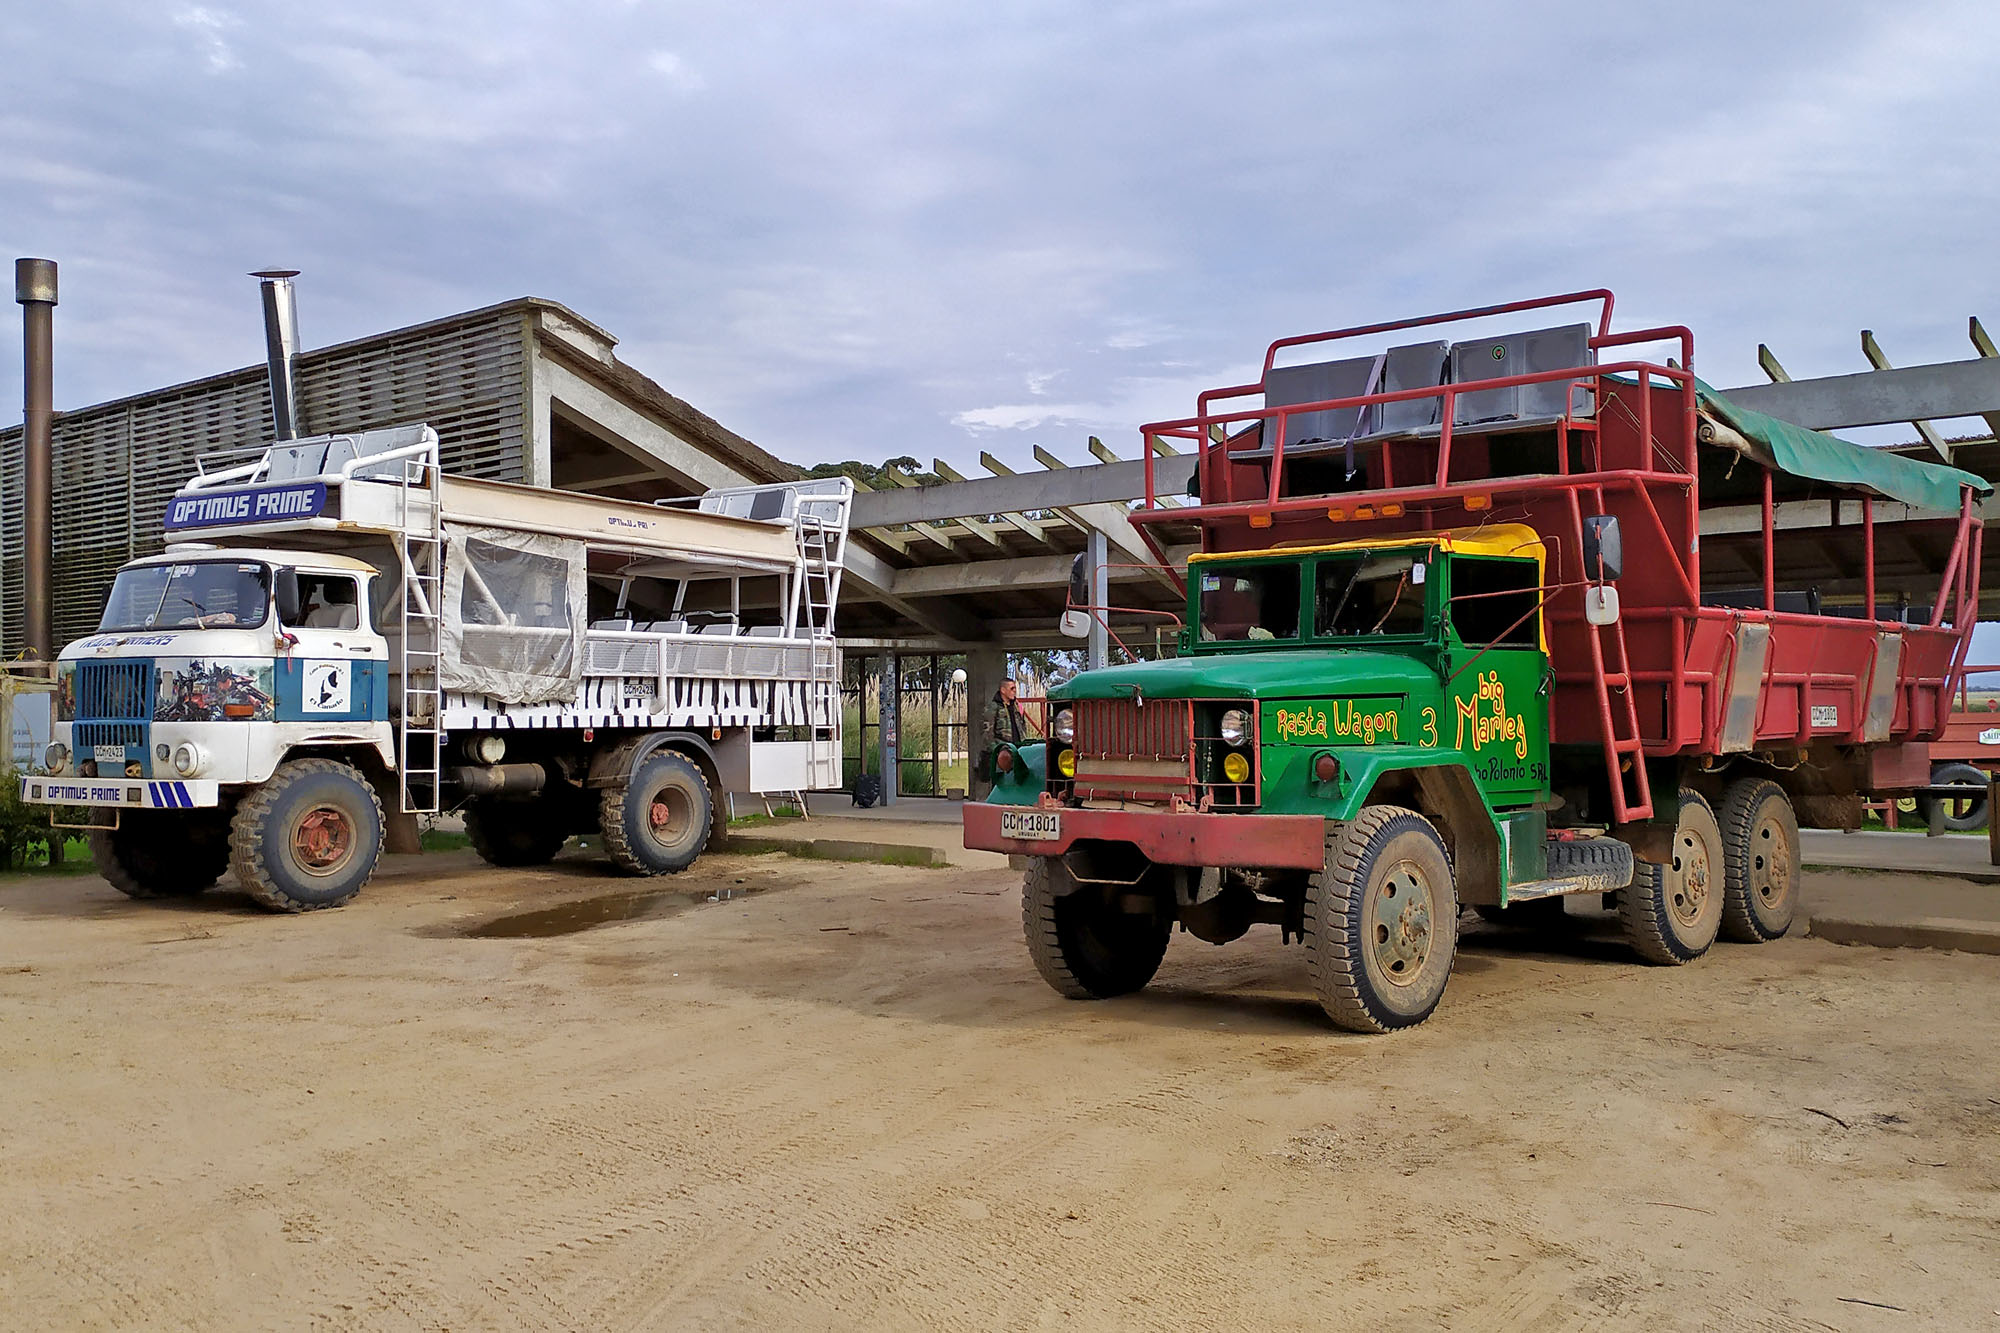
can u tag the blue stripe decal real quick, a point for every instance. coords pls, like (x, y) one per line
(187, 801)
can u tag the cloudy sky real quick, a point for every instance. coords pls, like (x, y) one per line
(867, 229)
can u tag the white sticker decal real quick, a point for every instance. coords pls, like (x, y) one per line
(326, 688)
(1826, 715)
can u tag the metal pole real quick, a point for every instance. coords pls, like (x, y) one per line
(281, 347)
(890, 688)
(35, 289)
(1096, 559)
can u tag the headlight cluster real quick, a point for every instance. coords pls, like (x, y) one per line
(1235, 726)
(56, 758)
(189, 759)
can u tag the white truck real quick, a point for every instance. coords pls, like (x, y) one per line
(340, 630)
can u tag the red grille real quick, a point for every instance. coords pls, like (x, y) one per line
(1122, 729)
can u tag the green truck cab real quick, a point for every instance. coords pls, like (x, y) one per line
(1353, 742)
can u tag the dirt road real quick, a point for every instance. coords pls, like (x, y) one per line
(844, 1100)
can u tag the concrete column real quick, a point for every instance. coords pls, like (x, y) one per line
(1096, 554)
(985, 668)
(890, 685)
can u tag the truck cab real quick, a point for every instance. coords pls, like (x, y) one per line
(1314, 683)
(208, 665)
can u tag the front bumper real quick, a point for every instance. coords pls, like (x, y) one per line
(122, 793)
(1294, 842)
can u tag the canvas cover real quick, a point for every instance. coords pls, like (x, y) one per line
(513, 617)
(1822, 457)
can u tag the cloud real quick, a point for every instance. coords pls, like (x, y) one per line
(674, 71)
(899, 229)
(207, 26)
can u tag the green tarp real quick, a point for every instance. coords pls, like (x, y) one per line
(1822, 457)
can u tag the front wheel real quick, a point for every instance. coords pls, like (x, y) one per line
(309, 838)
(1381, 922)
(1083, 944)
(155, 854)
(657, 821)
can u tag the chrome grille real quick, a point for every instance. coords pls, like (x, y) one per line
(114, 692)
(1124, 729)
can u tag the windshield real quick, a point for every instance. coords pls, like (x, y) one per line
(198, 595)
(1369, 593)
(1261, 602)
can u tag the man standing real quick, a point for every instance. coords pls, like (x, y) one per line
(1005, 722)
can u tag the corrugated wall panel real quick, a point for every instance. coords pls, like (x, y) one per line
(116, 465)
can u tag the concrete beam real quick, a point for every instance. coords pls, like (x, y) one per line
(1013, 574)
(1024, 491)
(1880, 397)
(593, 410)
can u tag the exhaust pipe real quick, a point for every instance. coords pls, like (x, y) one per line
(35, 289)
(281, 347)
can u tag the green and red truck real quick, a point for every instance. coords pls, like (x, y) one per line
(1492, 623)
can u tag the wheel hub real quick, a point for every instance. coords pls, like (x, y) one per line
(1402, 932)
(1691, 874)
(1772, 867)
(323, 839)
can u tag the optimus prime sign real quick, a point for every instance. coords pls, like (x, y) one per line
(264, 504)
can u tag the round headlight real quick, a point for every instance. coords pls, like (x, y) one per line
(1235, 767)
(1066, 763)
(1003, 761)
(188, 759)
(163, 752)
(489, 749)
(1235, 726)
(1064, 728)
(56, 758)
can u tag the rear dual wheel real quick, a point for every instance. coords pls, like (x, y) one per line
(1760, 852)
(1672, 909)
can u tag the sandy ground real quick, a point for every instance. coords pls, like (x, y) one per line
(845, 1100)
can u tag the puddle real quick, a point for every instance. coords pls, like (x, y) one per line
(586, 913)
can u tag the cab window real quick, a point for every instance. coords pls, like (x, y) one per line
(1495, 602)
(1369, 593)
(329, 601)
(1258, 602)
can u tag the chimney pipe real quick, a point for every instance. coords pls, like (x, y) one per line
(281, 347)
(35, 289)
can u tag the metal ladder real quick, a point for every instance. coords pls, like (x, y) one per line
(822, 541)
(420, 730)
(1635, 802)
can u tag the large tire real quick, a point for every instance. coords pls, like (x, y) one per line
(657, 821)
(1961, 814)
(157, 854)
(1381, 921)
(1672, 912)
(309, 838)
(1760, 858)
(1083, 946)
(516, 833)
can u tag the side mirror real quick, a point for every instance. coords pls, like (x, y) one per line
(1074, 624)
(1079, 582)
(286, 588)
(1603, 552)
(1600, 605)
